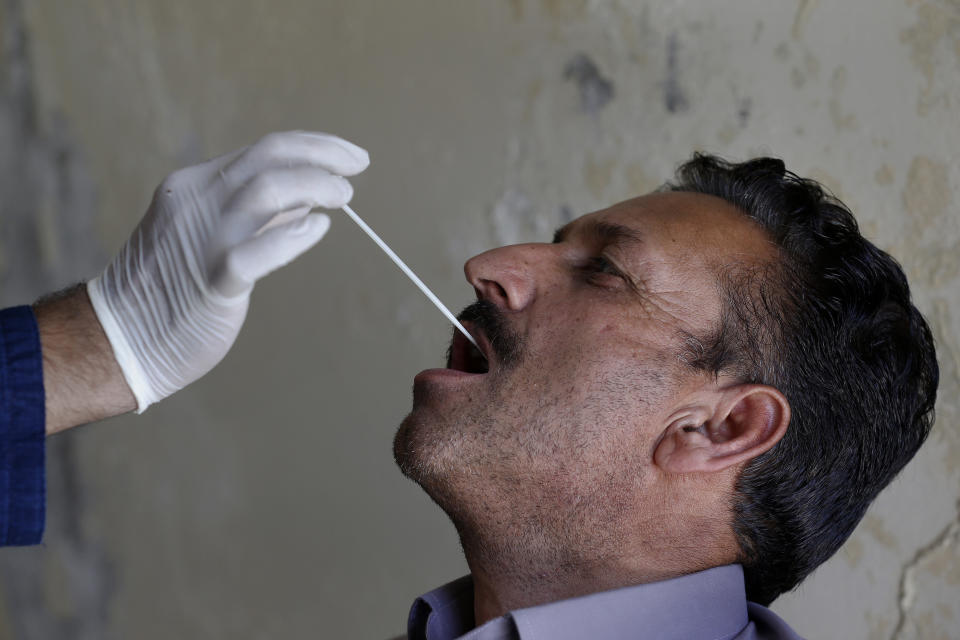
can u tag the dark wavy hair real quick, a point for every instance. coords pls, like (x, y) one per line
(830, 324)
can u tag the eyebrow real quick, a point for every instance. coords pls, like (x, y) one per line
(607, 233)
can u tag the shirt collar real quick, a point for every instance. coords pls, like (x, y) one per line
(444, 613)
(710, 603)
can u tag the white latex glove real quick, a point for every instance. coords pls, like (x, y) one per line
(173, 300)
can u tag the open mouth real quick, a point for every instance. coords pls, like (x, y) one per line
(463, 356)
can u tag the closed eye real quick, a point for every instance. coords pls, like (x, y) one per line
(603, 272)
(599, 264)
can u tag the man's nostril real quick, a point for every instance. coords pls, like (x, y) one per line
(491, 290)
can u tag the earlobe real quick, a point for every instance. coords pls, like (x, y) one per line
(746, 421)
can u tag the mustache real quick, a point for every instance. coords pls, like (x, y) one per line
(486, 317)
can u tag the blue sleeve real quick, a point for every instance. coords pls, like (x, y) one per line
(22, 429)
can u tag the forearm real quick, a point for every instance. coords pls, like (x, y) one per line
(82, 380)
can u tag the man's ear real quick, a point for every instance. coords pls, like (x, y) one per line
(744, 421)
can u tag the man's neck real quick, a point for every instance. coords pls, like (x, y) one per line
(511, 577)
(502, 585)
(524, 551)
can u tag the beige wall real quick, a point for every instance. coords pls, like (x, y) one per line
(263, 501)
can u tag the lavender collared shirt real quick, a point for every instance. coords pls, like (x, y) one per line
(709, 605)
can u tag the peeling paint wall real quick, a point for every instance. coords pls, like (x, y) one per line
(263, 501)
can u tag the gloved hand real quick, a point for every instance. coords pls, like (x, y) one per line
(173, 300)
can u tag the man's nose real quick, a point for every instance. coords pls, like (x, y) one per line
(508, 276)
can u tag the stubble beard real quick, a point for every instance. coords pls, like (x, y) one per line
(488, 471)
(431, 449)
(502, 470)
(431, 446)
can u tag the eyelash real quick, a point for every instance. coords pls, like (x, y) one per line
(600, 265)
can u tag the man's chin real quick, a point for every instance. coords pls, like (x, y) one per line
(413, 447)
(427, 458)
(403, 450)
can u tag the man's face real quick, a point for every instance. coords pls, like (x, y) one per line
(585, 339)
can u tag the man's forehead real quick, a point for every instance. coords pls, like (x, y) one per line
(605, 231)
(681, 221)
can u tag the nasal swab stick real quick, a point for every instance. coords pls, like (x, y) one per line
(410, 274)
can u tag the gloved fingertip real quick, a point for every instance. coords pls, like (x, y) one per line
(319, 223)
(364, 157)
(359, 156)
(313, 224)
(346, 190)
(355, 164)
(355, 150)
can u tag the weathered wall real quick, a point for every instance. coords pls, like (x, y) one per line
(263, 501)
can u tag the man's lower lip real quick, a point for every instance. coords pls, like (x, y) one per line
(440, 375)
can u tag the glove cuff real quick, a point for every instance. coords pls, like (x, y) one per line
(133, 373)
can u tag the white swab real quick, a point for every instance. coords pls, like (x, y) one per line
(410, 274)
